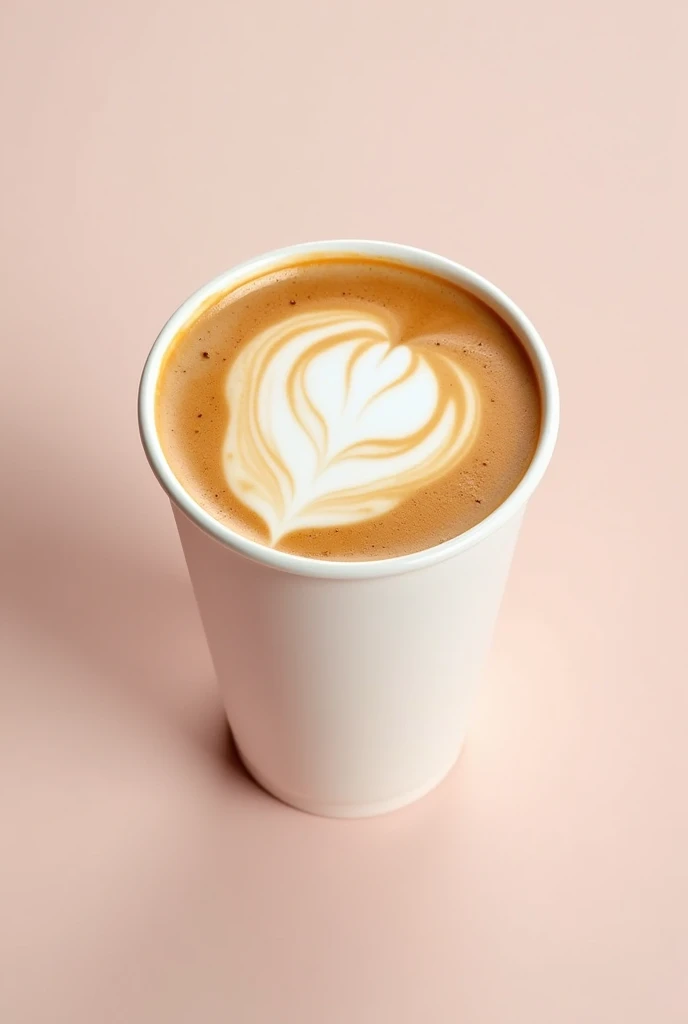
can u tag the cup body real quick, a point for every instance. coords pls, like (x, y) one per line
(348, 685)
(348, 697)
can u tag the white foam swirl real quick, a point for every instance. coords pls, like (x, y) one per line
(333, 421)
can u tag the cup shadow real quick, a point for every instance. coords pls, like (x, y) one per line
(122, 622)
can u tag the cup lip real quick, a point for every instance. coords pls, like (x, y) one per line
(324, 568)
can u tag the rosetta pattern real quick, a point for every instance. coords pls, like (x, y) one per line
(332, 420)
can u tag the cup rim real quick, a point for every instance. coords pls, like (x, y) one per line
(324, 568)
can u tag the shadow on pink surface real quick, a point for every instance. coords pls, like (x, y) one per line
(114, 633)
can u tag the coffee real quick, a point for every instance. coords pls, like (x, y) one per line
(348, 408)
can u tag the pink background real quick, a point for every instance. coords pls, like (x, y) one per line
(148, 147)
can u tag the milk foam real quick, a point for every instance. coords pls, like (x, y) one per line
(333, 421)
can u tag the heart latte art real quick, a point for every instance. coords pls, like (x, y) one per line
(347, 409)
(332, 420)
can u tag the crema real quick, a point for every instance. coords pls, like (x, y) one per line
(348, 408)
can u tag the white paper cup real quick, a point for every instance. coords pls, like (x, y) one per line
(348, 685)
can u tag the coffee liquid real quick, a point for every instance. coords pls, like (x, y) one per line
(348, 408)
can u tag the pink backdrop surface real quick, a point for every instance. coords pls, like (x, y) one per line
(148, 146)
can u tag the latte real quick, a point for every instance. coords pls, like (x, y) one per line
(348, 408)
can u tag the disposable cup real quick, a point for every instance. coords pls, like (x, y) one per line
(348, 685)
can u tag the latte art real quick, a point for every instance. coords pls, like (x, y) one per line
(347, 409)
(332, 420)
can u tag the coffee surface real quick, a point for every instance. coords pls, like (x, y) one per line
(348, 408)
